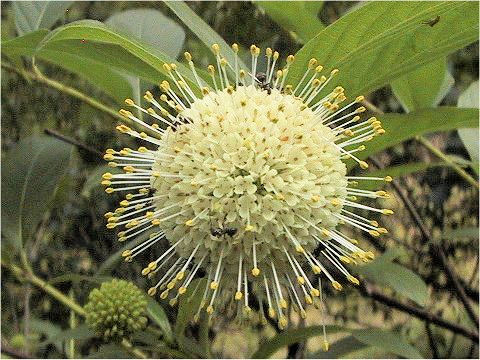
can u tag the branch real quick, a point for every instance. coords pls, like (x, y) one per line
(445, 158)
(37, 76)
(435, 249)
(72, 141)
(418, 313)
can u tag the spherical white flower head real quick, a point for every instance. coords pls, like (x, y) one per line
(255, 162)
(247, 183)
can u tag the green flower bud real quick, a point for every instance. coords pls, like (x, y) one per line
(117, 309)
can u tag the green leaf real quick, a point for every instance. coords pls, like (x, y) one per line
(398, 171)
(47, 328)
(115, 49)
(89, 66)
(110, 351)
(401, 127)
(157, 314)
(189, 304)
(386, 340)
(382, 41)
(153, 28)
(419, 89)
(83, 332)
(382, 271)
(288, 337)
(203, 31)
(340, 349)
(469, 136)
(31, 171)
(34, 15)
(288, 13)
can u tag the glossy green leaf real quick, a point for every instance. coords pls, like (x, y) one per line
(419, 89)
(203, 31)
(288, 337)
(156, 313)
(288, 13)
(470, 136)
(86, 64)
(384, 272)
(153, 28)
(401, 127)
(382, 41)
(31, 171)
(34, 15)
(96, 41)
(343, 348)
(391, 342)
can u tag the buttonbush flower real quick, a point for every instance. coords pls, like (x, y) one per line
(116, 310)
(247, 182)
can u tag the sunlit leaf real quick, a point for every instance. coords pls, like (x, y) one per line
(386, 340)
(31, 171)
(89, 66)
(287, 13)
(203, 31)
(34, 15)
(383, 40)
(153, 28)
(401, 127)
(470, 136)
(420, 88)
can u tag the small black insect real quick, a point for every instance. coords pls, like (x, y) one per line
(262, 82)
(217, 232)
(230, 231)
(432, 22)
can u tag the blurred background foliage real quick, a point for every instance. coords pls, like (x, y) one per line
(64, 236)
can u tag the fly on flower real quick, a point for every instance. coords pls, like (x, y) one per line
(247, 183)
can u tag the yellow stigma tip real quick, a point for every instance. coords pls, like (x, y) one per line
(238, 295)
(387, 212)
(213, 285)
(336, 285)
(189, 222)
(255, 271)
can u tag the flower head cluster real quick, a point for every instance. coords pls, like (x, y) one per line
(246, 182)
(116, 310)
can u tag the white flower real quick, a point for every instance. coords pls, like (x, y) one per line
(246, 182)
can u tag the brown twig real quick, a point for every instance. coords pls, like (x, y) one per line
(72, 141)
(419, 313)
(435, 250)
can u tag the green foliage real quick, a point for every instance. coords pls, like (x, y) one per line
(383, 271)
(156, 313)
(381, 41)
(34, 15)
(424, 87)
(30, 174)
(401, 127)
(116, 310)
(287, 13)
(201, 29)
(388, 341)
(469, 136)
